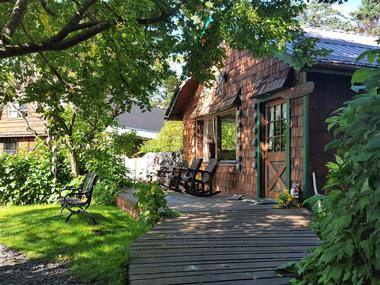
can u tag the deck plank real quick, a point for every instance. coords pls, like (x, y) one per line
(234, 246)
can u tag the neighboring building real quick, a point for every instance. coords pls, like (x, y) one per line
(146, 124)
(14, 133)
(266, 122)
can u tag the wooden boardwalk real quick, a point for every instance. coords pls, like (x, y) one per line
(231, 246)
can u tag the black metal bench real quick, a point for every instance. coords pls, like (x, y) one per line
(77, 200)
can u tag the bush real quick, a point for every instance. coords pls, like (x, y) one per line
(349, 219)
(26, 178)
(151, 200)
(104, 160)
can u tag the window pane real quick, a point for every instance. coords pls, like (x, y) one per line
(271, 114)
(24, 110)
(277, 144)
(283, 127)
(228, 131)
(270, 144)
(10, 147)
(277, 124)
(277, 128)
(277, 112)
(12, 112)
(271, 130)
(284, 110)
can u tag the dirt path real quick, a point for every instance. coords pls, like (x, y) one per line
(15, 268)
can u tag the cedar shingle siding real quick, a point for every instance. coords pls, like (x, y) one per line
(252, 77)
(251, 80)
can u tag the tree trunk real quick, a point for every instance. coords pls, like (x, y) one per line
(73, 159)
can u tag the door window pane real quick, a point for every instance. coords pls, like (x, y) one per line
(276, 127)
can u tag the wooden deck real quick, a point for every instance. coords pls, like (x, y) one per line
(235, 245)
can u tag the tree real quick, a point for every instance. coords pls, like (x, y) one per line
(324, 15)
(164, 93)
(37, 26)
(88, 61)
(367, 17)
(170, 139)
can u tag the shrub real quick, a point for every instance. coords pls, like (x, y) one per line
(26, 178)
(151, 200)
(349, 220)
(106, 162)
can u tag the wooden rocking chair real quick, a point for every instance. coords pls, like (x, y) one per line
(78, 199)
(197, 187)
(180, 174)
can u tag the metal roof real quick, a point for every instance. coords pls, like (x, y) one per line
(138, 119)
(344, 47)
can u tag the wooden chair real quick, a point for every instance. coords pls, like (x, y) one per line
(78, 199)
(207, 176)
(179, 175)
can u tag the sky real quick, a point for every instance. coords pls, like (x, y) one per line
(348, 6)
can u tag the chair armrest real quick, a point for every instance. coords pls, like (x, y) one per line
(75, 194)
(72, 192)
(179, 171)
(67, 188)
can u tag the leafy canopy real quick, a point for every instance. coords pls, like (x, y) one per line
(324, 15)
(367, 17)
(169, 139)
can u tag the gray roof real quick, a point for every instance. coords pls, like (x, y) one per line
(344, 47)
(152, 120)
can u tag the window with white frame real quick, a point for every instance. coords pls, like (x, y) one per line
(219, 137)
(16, 110)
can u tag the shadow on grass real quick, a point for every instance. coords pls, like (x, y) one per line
(96, 252)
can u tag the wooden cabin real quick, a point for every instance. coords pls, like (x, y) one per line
(14, 129)
(266, 122)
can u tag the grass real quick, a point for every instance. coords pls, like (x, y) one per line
(95, 252)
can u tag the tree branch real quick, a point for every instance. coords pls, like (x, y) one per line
(46, 8)
(15, 19)
(164, 16)
(74, 21)
(52, 68)
(28, 48)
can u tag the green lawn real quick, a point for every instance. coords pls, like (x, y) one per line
(95, 252)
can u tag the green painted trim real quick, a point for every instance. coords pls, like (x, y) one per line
(258, 149)
(263, 98)
(306, 167)
(288, 138)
